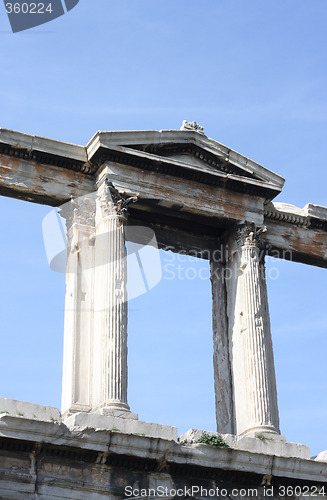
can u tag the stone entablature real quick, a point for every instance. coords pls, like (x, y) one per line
(47, 171)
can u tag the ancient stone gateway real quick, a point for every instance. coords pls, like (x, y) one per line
(198, 196)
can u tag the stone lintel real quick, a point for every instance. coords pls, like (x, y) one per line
(182, 198)
(297, 243)
(39, 182)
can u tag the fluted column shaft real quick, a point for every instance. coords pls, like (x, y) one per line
(77, 362)
(110, 301)
(221, 351)
(254, 380)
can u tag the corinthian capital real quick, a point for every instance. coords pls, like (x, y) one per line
(249, 235)
(114, 203)
(79, 211)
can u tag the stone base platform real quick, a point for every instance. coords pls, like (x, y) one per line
(120, 424)
(127, 422)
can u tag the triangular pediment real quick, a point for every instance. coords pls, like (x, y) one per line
(203, 159)
(186, 150)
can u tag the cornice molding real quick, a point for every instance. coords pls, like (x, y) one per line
(45, 158)
(311, 216)
(139, 138)
(172, 167)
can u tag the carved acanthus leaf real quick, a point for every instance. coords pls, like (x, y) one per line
(113, 202)
(79, 211)
(249, 235)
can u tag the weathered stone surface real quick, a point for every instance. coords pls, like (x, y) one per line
(223, 376)
(79, 305)
(193, 435)
(272, 444)
(322, 457)
(37, 181)
(80, 421)
(24, 409)
(47, 171)
(297, 234)
(250, 343)
(293, 214)
(184, 198)
(115, 412)
(266, 443)
(30, 143)
(159, 139)
(109, 380)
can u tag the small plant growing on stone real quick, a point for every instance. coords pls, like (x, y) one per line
(114, 429)
(213, 440)
(4, 412)
(263, 438)
(20, 413)
(53, 419)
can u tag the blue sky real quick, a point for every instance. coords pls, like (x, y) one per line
(254, 75)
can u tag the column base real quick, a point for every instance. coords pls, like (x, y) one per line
(75, 408)
(260, 429)
(120, 412)
(119, 424)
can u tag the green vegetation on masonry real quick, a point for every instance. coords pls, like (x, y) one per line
(263, 438)
(212, 440)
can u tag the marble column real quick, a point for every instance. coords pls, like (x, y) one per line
(77, 362)
(109, 394)
(221, 349)
(254, 380)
